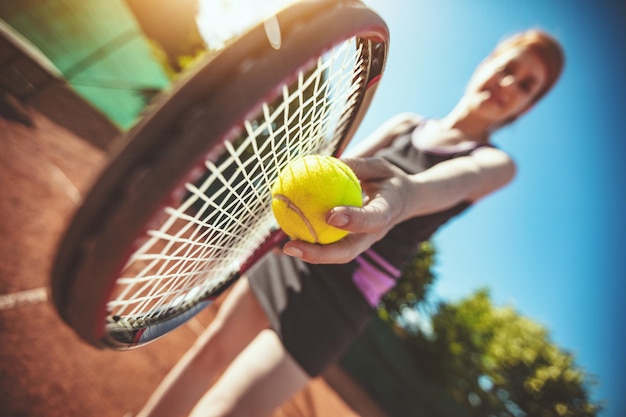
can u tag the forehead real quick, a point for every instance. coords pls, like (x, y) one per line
(526, 61)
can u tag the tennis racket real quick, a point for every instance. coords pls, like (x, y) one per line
(183, 207)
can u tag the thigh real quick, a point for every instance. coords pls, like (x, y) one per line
(240, 312)
(237, 322)
(258, 381)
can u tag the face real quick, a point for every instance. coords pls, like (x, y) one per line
(506, 85)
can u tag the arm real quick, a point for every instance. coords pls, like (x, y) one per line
(394, 196)
(462, 179)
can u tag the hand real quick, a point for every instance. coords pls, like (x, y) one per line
(386, 189)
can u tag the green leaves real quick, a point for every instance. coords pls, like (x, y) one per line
(527, 373)
(491, 359)
(412, 287)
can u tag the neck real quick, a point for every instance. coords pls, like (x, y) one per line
(466, 122)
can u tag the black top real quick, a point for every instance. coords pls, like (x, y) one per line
(400, 244)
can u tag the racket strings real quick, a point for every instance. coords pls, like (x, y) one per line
(225, 213)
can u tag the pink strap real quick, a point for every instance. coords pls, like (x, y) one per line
(374, 276)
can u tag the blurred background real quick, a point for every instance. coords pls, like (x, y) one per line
(546, 249)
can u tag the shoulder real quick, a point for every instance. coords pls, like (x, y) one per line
(402, 123)
(406, 119)
(496, 166)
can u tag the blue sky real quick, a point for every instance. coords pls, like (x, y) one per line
(549, 244)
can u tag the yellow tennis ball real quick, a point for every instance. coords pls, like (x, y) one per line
(306, 190)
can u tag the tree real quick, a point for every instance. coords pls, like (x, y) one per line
(411, 289)
(491, 359)
(498, 363)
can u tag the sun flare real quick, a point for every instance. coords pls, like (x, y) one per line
(221, 20)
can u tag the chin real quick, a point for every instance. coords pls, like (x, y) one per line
(488, 110)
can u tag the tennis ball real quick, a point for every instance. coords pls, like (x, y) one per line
(306, 190)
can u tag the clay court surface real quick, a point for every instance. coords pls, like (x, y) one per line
(45, 370)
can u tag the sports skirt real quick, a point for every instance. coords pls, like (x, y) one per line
(316, 310)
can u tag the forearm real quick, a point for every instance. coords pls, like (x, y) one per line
(461, 179)
(440, 187)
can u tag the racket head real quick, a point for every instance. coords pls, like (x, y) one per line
(139, 257)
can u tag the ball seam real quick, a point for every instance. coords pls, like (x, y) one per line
(300, 213)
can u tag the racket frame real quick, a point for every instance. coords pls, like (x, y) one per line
(229, 84)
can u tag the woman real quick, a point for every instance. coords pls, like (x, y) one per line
(299, 310)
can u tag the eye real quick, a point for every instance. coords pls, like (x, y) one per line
(509, 67)
(527, 85)
(506, 69)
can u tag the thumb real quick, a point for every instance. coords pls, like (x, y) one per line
(371, 218)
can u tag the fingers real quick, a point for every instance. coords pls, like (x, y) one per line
(386, 188)
(367, 225)
(375, 214)
(385, 199)
(370, 169)
(339, 252)
(370, 218)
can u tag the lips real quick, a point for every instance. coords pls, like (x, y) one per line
(495, 96)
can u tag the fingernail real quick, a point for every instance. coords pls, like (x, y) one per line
(291, 251)
(338, 220)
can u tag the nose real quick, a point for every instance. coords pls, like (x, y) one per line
(507, 81)
(507, 87)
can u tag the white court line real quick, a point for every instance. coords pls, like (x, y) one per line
(16, 299)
